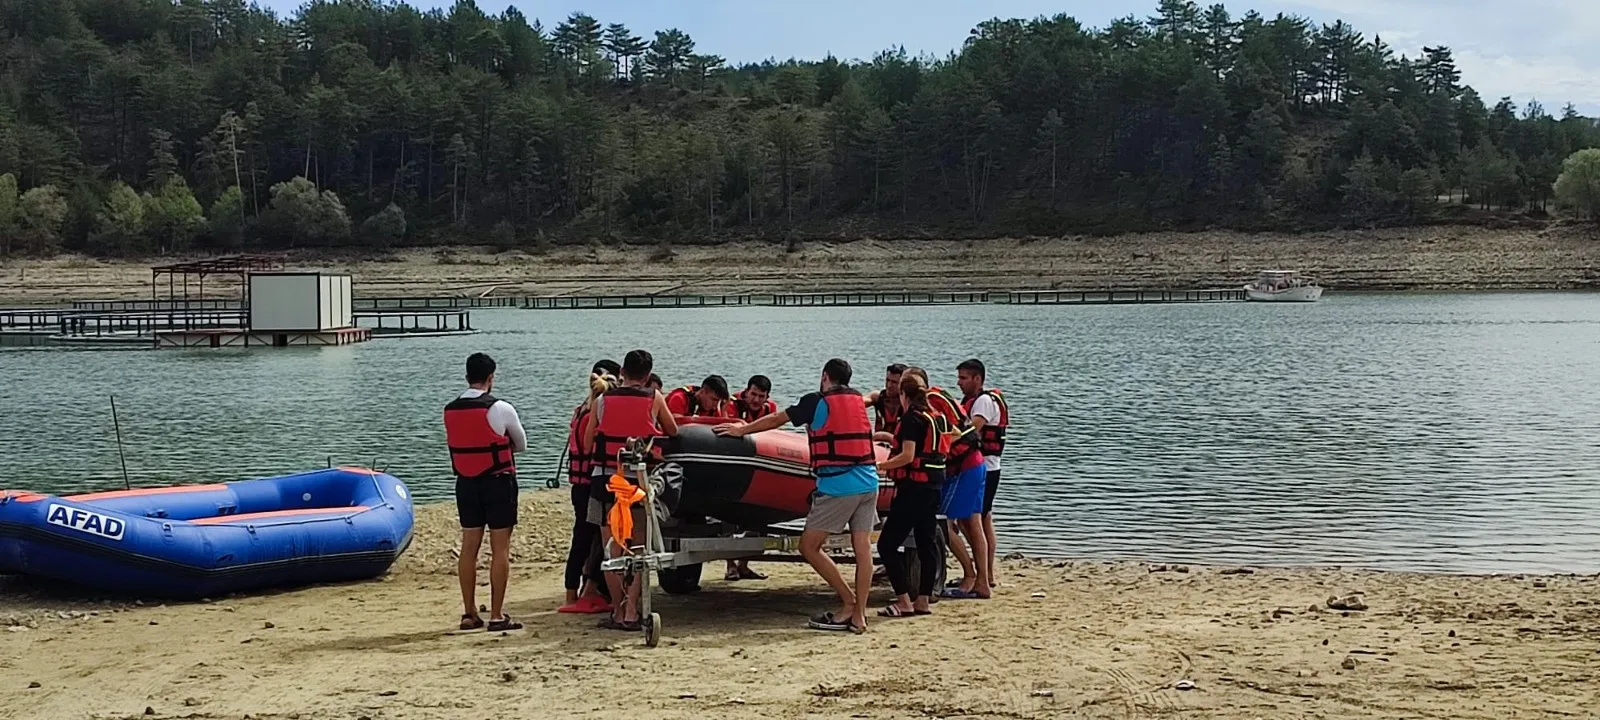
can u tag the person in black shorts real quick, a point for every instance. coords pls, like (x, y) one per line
(483, 434)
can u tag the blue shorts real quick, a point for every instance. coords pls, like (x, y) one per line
(963, 497)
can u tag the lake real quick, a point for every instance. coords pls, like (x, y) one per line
(1451, 432)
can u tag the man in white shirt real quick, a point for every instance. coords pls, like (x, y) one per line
(483, 434)
(990, 417)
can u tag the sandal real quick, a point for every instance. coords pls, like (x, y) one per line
(826, 621)
(612, 623)
(959, 594)
(894, 611)
(471, 622)
(504, 624)
(748, 574)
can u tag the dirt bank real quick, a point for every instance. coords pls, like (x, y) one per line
(1414, 258)
(1092, 640)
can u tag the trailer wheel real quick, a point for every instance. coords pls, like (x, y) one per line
(652, 629)
(680, 580)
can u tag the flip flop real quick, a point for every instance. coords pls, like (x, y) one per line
(748, 574)
(504, 624)
(894, 611)
(826, 621)
(471, 622)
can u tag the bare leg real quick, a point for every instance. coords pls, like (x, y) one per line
(499, 571)
(613, 579)
(467, 569)
(631, 612)
(811, 549)
(969, 572)
(988, 536)
(861, 543)
(630, 608)
(980, 554)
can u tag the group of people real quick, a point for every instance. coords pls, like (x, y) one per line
(944, 459)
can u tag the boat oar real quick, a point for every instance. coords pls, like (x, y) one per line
(115, 423)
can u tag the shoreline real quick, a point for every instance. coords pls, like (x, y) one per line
(1091, 638)
(1442, 258)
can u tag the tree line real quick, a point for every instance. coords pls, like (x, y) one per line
(140, 126)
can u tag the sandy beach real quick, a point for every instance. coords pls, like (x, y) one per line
(1443, 257)
(1063, 638)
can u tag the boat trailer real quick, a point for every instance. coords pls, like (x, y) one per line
(676, 551)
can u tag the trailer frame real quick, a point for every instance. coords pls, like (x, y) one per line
(672, 545)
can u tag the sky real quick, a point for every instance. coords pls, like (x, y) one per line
(1527, 49)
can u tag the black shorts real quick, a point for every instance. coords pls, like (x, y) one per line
(487, 502)
(991, 482)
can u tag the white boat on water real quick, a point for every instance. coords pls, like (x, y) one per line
(1282, 286)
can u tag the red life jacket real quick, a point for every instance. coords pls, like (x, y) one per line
(476, 450)
(886, 416)
(625, 412)
(580, 464)
(955, 416)
(846, 437)
(932, 449)
(689, 396)
(992, 438)
(737, 409)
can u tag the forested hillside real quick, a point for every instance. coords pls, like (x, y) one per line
(138, 126)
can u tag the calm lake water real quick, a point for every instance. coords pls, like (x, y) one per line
(1431, 432)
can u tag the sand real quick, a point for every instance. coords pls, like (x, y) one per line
(1392, 259)
(1063, 638)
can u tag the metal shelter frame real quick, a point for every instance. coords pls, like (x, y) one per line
(238, 265)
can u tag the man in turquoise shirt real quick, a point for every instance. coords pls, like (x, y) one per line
(847, 497)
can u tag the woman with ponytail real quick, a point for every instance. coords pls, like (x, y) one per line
(917, 468)
(585, 593)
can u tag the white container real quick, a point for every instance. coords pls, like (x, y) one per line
(299, 302)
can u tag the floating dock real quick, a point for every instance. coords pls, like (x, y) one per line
(225, 323)
(827, 299)
(240, 337)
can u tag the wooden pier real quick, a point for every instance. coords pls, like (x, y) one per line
(434, 303)
(214, 322)
(179, 305)
(415, 323)
(881, 299)
(1119, 297)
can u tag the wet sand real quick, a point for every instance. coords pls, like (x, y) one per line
(1063, 638)
(1458, 258)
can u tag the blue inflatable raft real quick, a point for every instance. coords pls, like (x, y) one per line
(199, 541)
